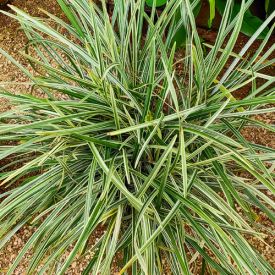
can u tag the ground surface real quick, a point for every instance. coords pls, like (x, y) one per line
(12, 40)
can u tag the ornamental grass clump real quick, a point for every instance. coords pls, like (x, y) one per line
(133, 140)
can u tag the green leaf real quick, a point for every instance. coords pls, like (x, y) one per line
(180, 36)
(250, 22)
(269, 6)
(71, 16)
(158, 3)
(212, 9)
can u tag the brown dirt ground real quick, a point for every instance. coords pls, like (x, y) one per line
(12, 40)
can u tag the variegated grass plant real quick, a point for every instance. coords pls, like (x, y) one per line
(146, 145)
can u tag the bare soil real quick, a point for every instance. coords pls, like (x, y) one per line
(12, 40)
